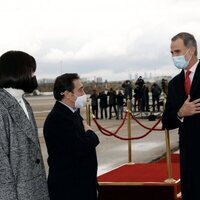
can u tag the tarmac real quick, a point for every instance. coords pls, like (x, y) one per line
(112, 152)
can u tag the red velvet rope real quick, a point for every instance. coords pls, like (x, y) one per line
(155, 129)
(109, 133)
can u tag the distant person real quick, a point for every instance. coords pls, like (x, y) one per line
(136, 98)
(112, 102)
(22, 173)
(145, 91)
(120, 105)
(94, 103)
(164, 84)
(156, 92)
(182, 111)
(128, 89)
(70, 144)
(140, 82)
(140, 93)
(103, 102)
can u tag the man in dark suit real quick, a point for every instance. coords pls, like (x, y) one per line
(70, 143)
(183, 111)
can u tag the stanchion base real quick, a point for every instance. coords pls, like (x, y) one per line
(170, 180)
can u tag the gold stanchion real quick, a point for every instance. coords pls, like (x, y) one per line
(129, 130)
(168, 153)
(89, 114)
(88, 118)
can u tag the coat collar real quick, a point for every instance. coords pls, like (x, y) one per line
(75, 117)
(19, 117)
(17, 93)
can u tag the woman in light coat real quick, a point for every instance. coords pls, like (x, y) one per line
(22, 174)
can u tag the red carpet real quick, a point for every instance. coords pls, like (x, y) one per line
(140, 181)
(174, 159)
(147, 172)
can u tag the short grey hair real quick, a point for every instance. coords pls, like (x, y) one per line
(188, 40)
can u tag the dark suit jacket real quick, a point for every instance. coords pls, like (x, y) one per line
(72, 156)
(189, 132)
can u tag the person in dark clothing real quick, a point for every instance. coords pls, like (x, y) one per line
(94, 103)
(182, 110)
(156, 91)
(140, 82)
(128, 91)
(145, 91)
(140, 93)
(120, 105)
(103, 104)
(112, 102)
(70, 144)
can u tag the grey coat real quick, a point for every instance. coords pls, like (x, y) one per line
(22, 174)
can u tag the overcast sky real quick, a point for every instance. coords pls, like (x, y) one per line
(107, 38)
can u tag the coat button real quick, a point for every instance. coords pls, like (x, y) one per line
(37, 161)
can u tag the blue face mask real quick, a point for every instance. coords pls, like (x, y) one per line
(180, 62)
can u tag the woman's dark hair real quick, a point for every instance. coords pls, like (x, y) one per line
(16, 69)
(63, 83)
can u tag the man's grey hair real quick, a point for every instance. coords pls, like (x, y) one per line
(188, 40)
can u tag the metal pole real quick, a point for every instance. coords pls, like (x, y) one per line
(168, 153)
(89, 114)
(86, 112)
(129, 130)
(88, 118)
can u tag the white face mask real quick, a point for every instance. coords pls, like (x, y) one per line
(180, 62)
(81, 101)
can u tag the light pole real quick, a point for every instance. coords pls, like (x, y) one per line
(61, 62)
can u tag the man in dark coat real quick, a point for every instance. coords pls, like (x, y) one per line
(183, 111)
(71, 144)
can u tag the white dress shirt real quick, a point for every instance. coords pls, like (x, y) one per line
(192, 70)
(72, 109)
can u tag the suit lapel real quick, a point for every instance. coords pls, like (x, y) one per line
(78, 121)
(180, 88)
(196, 82)
(69, 115)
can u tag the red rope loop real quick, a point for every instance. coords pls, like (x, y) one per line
(155, 129)
(109, 133)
